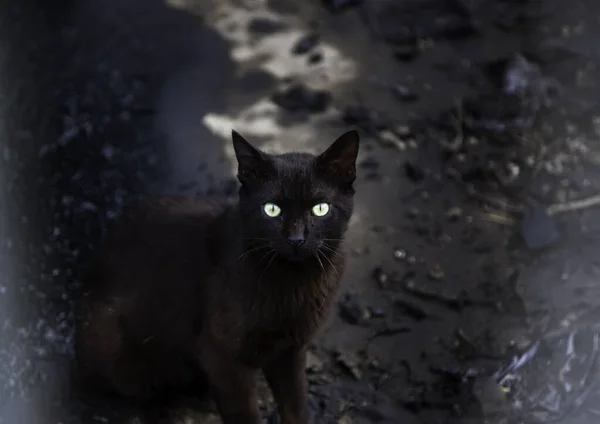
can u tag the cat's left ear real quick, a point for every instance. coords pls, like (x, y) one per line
(253, 164)
(339, 160)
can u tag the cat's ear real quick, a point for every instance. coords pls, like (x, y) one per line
(339, 160)
(253, 164)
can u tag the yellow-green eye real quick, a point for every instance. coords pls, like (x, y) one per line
(272, 210)
(320, 209)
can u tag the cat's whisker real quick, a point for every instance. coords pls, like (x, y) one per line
(331, 249)
(248, 252)
(331, 263)
(267, 266)
(265, 255)
(320, 262)
(330, 252)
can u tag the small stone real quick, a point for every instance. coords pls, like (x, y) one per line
(436, 273)
(350, 363)
(375, 364)
(403, 130)
(404, 94)
(315, 57)
(388, 139)
(381, 277)
(353, 312)
(472, 141)
(305, 44)
(369, 163)
(345, 420)
(399, 254)
(313, 363)
(377, 312)
(454, 213)
(298, 97)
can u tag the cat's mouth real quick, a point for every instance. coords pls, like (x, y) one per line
(296, 255)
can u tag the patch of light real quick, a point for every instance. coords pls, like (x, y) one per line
(259, 119)
(271, 53)
(177, 4)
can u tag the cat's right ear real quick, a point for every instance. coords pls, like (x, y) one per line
(253, 164)
(339, 160)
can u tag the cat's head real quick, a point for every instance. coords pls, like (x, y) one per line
(296, 204)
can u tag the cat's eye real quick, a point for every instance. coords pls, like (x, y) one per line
(320, 209)
(272, 210)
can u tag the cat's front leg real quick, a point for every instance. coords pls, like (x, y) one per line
(286, 376)
(233, 387)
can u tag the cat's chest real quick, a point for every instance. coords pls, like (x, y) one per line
(285, 322)
(266, 340)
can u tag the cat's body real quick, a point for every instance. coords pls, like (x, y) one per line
(187, 291)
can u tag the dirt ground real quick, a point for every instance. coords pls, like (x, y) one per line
(471, 294)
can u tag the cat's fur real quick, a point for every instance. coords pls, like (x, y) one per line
(186, 290)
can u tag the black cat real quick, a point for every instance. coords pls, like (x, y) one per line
(187, 290)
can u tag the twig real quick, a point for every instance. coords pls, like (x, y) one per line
(574, 205)
(498, 203)
(389, 331)
(499, 218)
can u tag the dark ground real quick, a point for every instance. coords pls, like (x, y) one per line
(471, 247)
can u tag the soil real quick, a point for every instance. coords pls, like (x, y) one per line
(470, 246)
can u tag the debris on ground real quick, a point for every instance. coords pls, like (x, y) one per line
(411, 309)
(436, 273)
(404, 93)
(555, 378)
(381, 277)
(524, 78)
(341, 5)
(353, 311)
(315, 58)
(407, 21)
(313, 363)
(298, 97)
(349, 363)
(305, 44)
(539, 229)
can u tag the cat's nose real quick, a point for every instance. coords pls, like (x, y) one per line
(296, 242)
